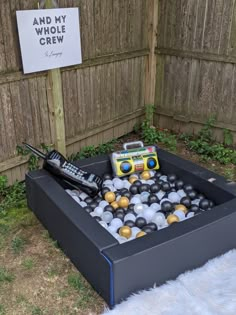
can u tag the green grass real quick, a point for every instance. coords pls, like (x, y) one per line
(2, 310)
(52, 272)
(5, 275)
(37, 311)
(17, 245)
(28, 263)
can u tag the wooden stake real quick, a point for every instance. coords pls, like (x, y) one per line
(151, 64)
(56, 109)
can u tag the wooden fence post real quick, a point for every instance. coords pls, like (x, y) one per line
(55, 100)
(150, 83)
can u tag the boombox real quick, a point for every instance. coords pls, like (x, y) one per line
(134, 160)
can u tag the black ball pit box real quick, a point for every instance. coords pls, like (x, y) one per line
(117, 270)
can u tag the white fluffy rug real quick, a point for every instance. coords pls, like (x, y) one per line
(209, 290)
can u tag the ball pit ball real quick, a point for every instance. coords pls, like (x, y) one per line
(172, 218)
(125, 231)
(110, 196)
(123, 202)
(140, 234)
(145, 175)
(140, 222)
(136, 205)
(115, 205)
(132, 179)
(181, 207)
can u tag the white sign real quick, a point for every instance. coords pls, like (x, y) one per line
(49, 38)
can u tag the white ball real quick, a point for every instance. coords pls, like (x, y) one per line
(164, 178)
(148, 214)
(103, 224)
(160, 194)
(135, 231)
(118, 184)
(69, 192)
(122, 239)
(76, 198)
(83, 195)
(129, 216)
(107, 182)
(190, 215)
(159, 219)
(196, 202)
(126, 184)
(155, 206)
(138, 208)
(118, 197)
(174, 197)
(116, 222)
(181, 193)
(98, 211)
(134, 175)
(111, 187)
(112, 229)
(152, 173)
(93, 214)
(107, 216)
(180, 214)
(144, 196)
(150, 182)
(135, 200)
(83, 204)
(103, 204)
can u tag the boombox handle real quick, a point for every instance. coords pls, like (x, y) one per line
(137, 144)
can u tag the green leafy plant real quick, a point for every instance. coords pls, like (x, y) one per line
(228, 137)
(5, 275)
(17, 244)
(11, 196)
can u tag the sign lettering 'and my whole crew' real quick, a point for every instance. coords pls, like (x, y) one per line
(42, 30)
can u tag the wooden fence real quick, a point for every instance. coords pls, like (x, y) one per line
(196, 65)
(103, 97)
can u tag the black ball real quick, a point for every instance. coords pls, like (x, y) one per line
(188, 187)
(204, 204)
(158, 174)
(171, 178)
(97, 218)
(192, 194)
(152, 226)
(165, 186)
(88, 209)
(130, 211)
(129, 223)
(97, 199)
(154, 188)
(140, 222)
(186, 201)
(106, 176)
(93, 205)
(120, 210)
(200, 196)
(123, 190)
(131, 206)
(120, 215)
(134, 189)
(152, 199)
(211, 203)
(144, 187)
(194, 208)
(104, 190)
(127, 194)
(160, 182)
(138, 183)
(147, 229)
(166, 206)
(179, 184)
(108, 208)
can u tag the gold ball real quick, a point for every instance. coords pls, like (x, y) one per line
(181, 207)
(123, 202)
(172, 218)
(145, 175)
(110, 196)
(115, 205)
(132, 179)
(140, 234)
(125, 231)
